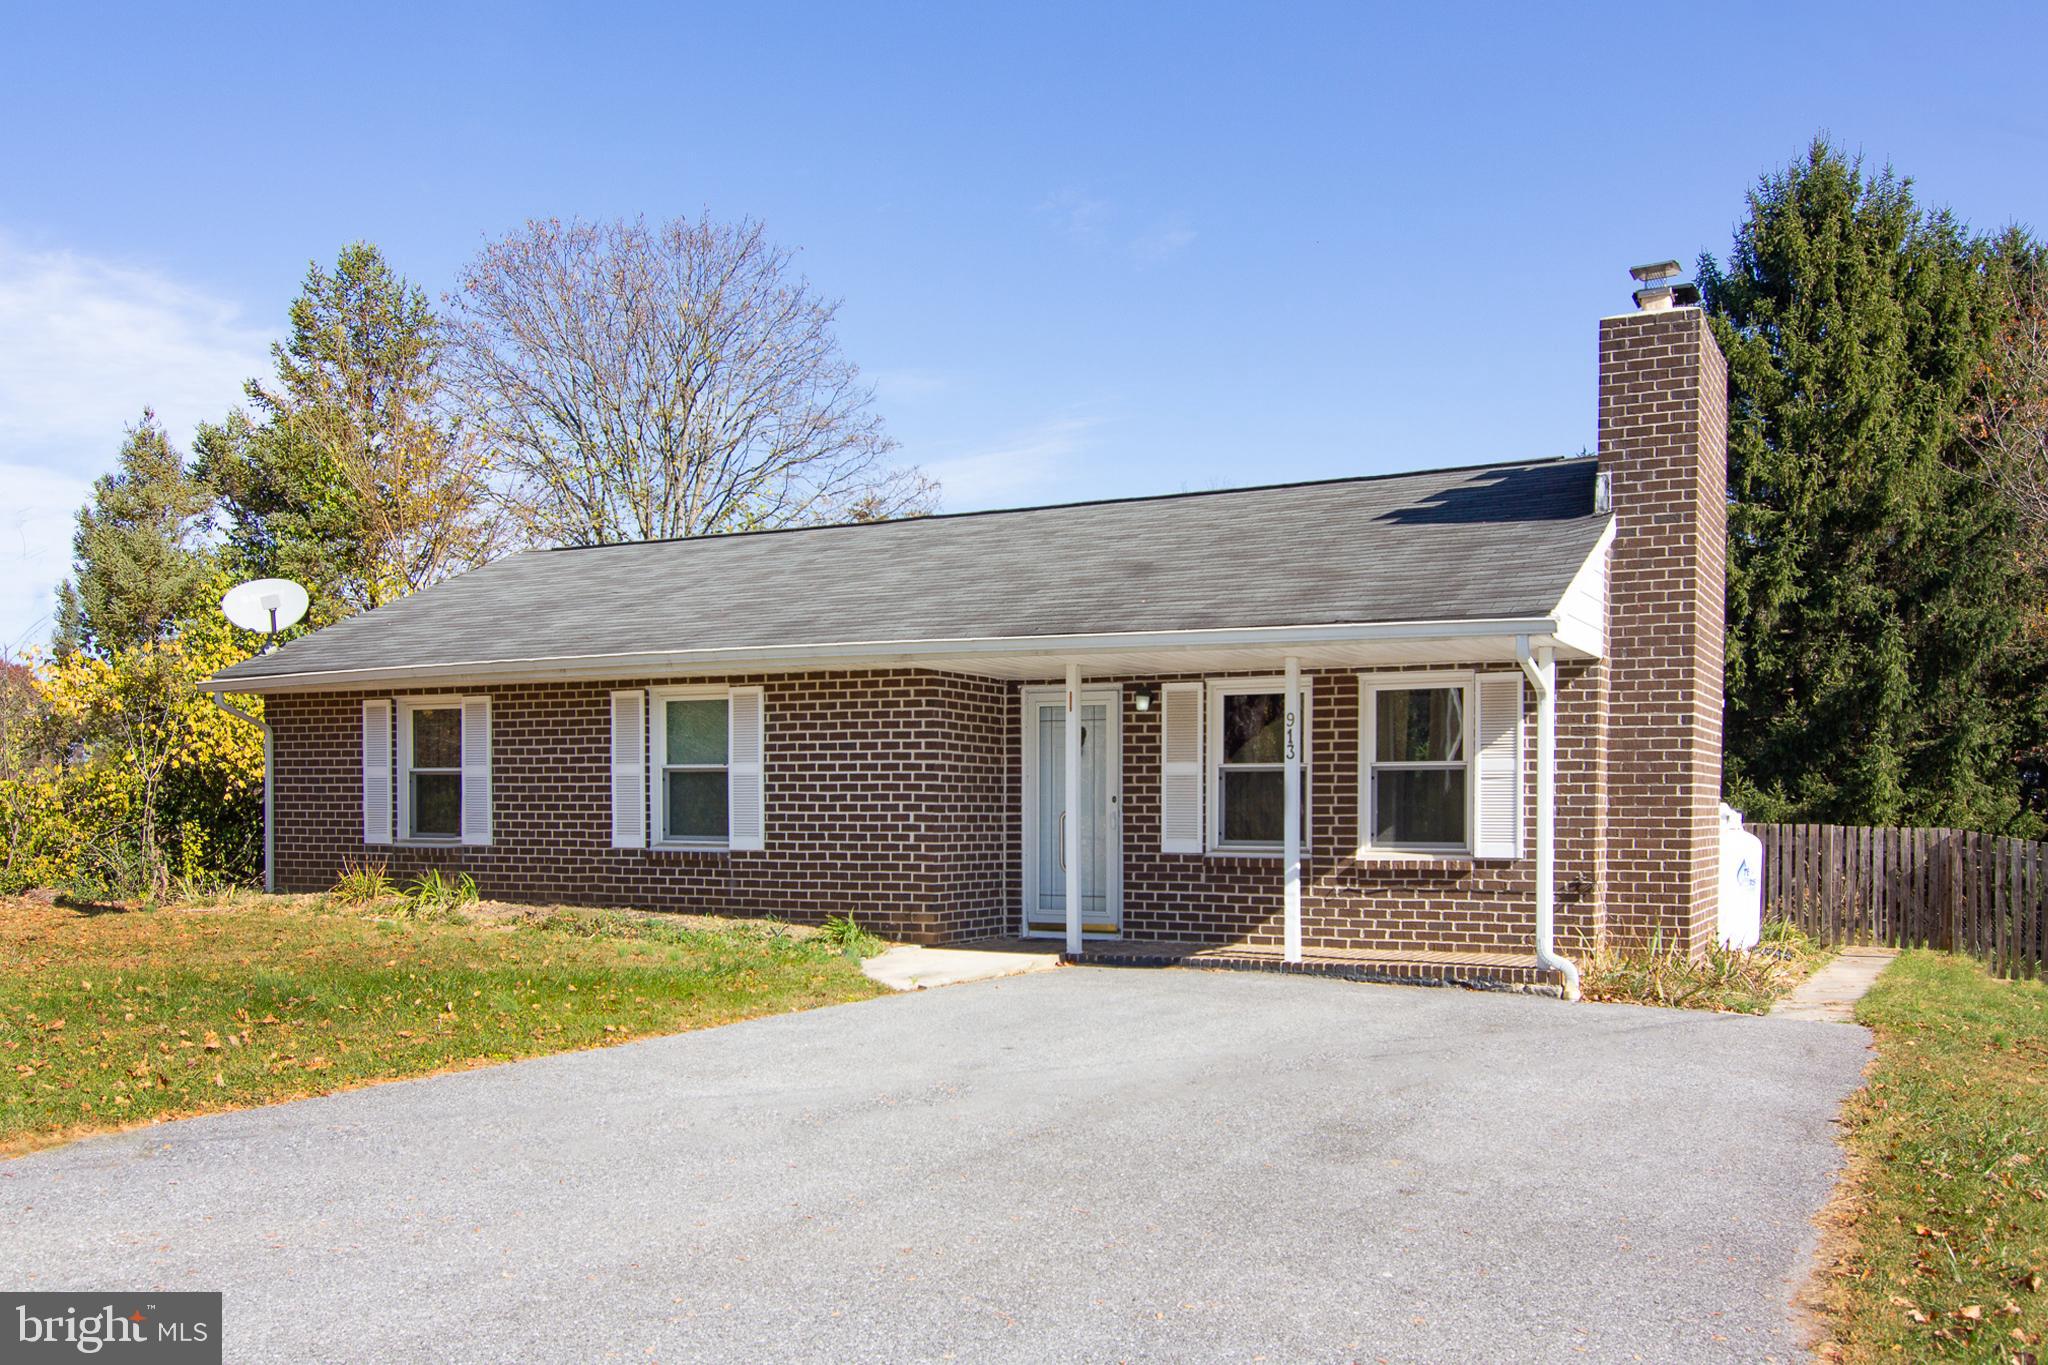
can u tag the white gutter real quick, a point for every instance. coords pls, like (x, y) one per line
(269, 843)
(1541, 667)
(884, 653)
(1290, 820)
(1070, 809)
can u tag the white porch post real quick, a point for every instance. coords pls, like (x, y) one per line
(1290, 836)
(1546, 802)
(269, 814)
(1541, 667)
(1070, 824)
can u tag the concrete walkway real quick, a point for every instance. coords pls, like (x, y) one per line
(1829, 996)
(908, 967)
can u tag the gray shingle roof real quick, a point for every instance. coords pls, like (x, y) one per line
(1458, 544)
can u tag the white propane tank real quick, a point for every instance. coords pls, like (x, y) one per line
(1742, 882)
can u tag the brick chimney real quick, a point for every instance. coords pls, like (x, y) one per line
(1664, 447)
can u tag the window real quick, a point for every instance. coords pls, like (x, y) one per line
(1248, 738)
(433, 771)
(692, 745)
(1418, 746)
(689, 768)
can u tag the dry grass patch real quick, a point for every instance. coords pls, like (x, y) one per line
(1744, 983)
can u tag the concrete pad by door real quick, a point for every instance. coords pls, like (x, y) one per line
(908, 967)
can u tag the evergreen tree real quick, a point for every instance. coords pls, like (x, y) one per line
(351, 477)
(140, 554)
(1878, 669)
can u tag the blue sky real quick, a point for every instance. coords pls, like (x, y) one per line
(1084, 251)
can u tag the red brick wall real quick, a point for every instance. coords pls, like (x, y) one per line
(896, 797)
(1663, 438)
(884, 799)
(1436, 903)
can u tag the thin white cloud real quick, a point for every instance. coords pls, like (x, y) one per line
(1088, 221)
(85, 346)
(1031, 466)
(907, 386)
(1165, 241)
(35, 549)
(1076, 214)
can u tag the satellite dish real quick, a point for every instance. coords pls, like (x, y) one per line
(267, 604)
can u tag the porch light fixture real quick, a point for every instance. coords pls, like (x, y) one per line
(1142, 698)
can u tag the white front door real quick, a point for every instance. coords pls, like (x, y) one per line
(1099, 816)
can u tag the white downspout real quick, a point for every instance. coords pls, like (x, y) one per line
(1070, 826)
(269, 841)
(1541, 668)
(1290, 827)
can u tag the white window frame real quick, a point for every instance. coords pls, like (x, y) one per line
(1370, 686)
(1219, 688)
(658, 766)
(408, 707)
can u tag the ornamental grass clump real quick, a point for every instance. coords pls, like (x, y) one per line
(1743, 981)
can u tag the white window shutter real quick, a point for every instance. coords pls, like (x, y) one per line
(746, 786)
(1180, 768)
(476, 770)
(629, 769)
(1497, 811)
(376, 772)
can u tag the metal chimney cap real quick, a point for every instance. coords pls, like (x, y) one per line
(1656, 272)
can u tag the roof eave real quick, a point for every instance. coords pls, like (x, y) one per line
(897, 653)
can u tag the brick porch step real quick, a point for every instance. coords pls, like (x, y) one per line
(1474, 970)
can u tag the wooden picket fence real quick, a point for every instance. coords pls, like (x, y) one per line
(1941, 888)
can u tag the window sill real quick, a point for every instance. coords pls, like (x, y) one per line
(673, 847)
(1412, 856)
(433, 841)
(1250, 851)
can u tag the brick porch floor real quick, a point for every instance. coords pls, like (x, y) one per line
(1475, 971)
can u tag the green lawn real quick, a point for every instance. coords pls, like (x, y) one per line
(113, 1017)
(1941, 1245)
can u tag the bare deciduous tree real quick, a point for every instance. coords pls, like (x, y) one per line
(646, 381)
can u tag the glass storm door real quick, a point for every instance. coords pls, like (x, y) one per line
(1046, 897)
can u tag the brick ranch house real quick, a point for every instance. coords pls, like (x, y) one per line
(1455, 725)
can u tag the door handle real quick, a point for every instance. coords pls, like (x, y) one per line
(1063, 841)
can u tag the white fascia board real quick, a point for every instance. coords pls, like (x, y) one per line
(874, 654)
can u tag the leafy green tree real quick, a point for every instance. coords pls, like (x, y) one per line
(1878, 668)
(115, 772)
(141, 557)
(351, 475)
(156, 781)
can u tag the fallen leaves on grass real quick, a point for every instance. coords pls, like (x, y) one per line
(142, 1015)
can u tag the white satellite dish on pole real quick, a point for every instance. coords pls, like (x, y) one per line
(266, 604)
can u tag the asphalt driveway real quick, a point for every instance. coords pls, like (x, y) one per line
(1085, 1164)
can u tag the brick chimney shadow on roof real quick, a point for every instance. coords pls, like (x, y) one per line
(1542, 493)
